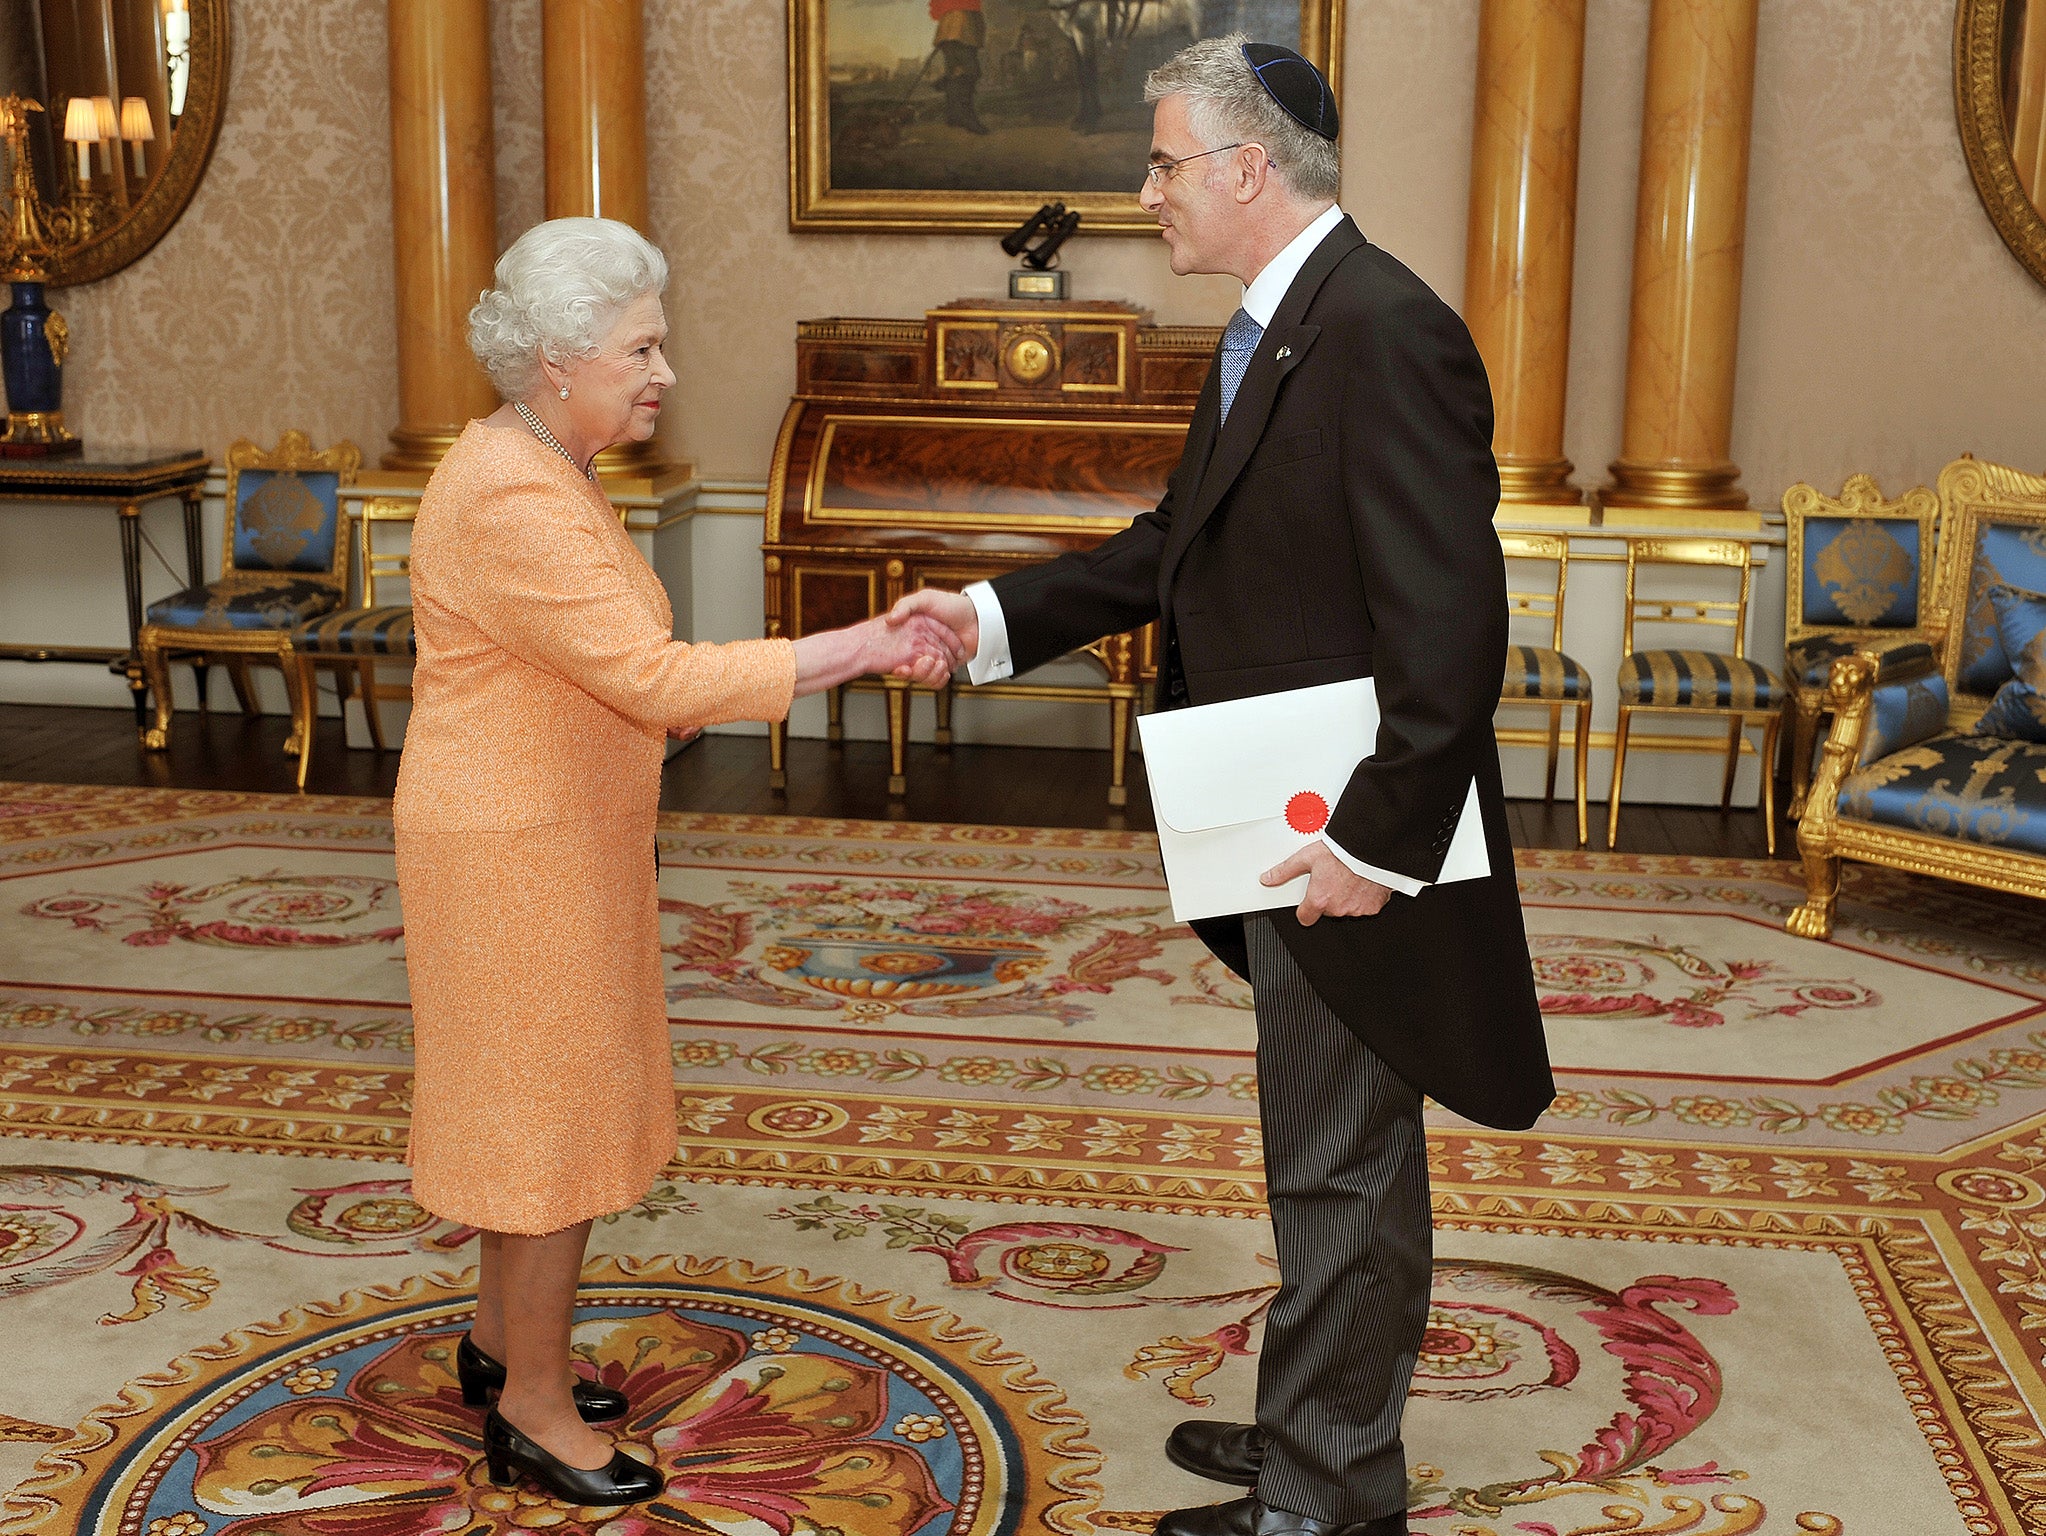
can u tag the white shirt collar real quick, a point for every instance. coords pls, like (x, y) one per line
(1261, 298)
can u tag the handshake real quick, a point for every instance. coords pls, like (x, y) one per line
(925, 638)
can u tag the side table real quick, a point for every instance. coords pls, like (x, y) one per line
(124, 479)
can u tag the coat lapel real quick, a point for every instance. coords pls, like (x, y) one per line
(1239, 435)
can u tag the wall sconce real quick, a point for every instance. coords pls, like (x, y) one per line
(136, 128)
(81, 127)
(109, 130)
(177, 48)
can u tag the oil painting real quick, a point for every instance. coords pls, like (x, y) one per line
(969, 114)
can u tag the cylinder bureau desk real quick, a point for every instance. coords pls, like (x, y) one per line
(989, 435)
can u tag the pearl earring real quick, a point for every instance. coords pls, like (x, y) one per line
(564, 391)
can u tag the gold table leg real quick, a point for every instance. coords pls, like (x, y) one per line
(897, 691)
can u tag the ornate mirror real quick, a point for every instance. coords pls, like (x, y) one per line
(2000, 90)
(127, 100)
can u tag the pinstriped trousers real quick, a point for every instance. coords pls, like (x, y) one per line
(1346, 1170)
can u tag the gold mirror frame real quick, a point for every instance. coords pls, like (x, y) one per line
(1985, 136)
(171, 189)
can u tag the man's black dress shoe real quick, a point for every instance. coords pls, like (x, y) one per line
(1220, 1452)
(512, 1455)
(1247, 1517)
(483, 1377)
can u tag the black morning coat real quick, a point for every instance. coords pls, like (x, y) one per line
(1340, 526)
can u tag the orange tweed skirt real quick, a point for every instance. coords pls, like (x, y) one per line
(544, 1087)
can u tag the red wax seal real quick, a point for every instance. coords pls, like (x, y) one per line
(1306, 812)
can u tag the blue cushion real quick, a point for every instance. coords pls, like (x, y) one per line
(286, 520)
(1810, 661)
(385, 631)
(1697, 680)
(1536, 672)
(2019, 708)
(1861, 571)
(2006, 554)
(1975, 788)
(245, 600)
(1902, 713)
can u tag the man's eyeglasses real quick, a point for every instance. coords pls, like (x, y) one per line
(1159, 170)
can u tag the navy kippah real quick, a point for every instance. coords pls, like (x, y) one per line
(1296, 85)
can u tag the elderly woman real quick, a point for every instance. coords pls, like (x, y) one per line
(547, 677)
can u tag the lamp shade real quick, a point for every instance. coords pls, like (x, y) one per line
(136, 126)
(109, 119)
(81, 122)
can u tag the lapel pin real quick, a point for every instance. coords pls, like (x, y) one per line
(1283, 352)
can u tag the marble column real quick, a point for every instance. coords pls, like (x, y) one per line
(594, 68)
(594, 73)
(1523, 224)
(443, 218)
(1689, 224)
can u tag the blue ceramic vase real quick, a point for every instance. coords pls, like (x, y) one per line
(35, 379)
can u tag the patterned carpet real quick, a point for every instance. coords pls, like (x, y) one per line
(968, 1214)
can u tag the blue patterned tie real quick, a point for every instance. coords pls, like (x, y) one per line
(1239, 341)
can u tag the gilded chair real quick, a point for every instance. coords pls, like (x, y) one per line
(1902, 780)
(1542, 675)
(1695, 683)
(352, 639)
(1860, 579)
(285, 561)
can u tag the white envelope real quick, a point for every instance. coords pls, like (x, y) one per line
(1225, 776)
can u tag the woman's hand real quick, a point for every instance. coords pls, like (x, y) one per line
(919, 648)
(922, 650)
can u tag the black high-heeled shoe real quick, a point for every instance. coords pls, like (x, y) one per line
(482, 1377)
(511, 1455)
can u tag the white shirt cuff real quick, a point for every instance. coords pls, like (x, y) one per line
(1406, 885)
(990, 663)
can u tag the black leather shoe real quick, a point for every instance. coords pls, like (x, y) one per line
(1248, 1517)
(1220, 1452)
(482, 1378)
(511, 1455)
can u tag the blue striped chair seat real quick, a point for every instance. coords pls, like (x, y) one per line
(381, 631)
(1697, 680)
(245, 600)
(1536, 672)
(1809, 662)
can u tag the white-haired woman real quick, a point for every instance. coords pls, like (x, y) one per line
(547, 678)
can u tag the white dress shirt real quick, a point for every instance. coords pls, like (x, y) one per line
(991, 661)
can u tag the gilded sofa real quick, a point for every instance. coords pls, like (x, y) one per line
(1902, 781)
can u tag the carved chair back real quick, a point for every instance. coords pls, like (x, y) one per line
(383, 514)
(1995, 535)
(1552, 549)
(1709, 612)
(1860, 566)
(284, 509)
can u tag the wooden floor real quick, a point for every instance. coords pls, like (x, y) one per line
(1020, 786)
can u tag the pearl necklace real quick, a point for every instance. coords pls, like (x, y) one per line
(540, 431)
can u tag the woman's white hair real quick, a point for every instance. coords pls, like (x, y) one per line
(1227, 103)
(559, 290)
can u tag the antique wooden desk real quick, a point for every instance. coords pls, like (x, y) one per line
(123, 478)
(989, 435)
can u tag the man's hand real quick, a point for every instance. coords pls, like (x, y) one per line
(1333, 888)
(954, 610)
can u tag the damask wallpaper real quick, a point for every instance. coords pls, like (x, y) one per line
(268, 305)
(1885, 326)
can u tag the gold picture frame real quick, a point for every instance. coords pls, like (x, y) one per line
(1979, 67)
(894, 113)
